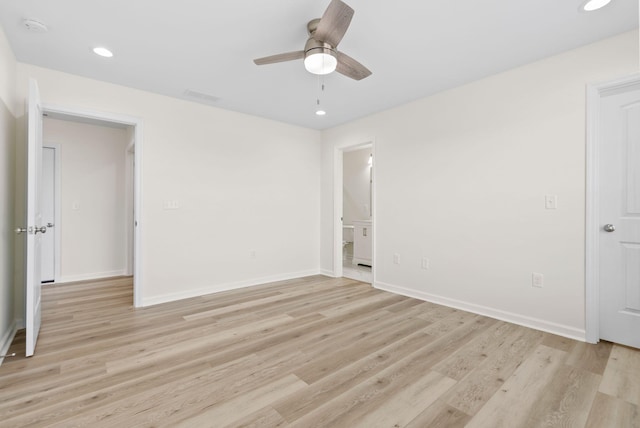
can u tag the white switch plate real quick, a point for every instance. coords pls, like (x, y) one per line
(396, 259)
(551, 202)
(537, 280)
(75, 205)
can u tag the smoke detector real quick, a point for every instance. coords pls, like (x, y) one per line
(35, 26)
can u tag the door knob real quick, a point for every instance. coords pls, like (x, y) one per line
(42, 229)
(20, 230)
(609, 228)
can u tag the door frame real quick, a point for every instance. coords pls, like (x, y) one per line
(338, 165)
(595, 93)
(137, 125)
(129, 155)
(56, 208)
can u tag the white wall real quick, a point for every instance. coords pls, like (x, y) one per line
(473, 163)
(461, 179)
(356, 184)
(93, 192)
(243, 185)
(8, 108)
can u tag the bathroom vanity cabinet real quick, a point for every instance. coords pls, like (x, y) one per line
(362, 242)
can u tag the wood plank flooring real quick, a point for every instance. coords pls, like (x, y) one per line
(310, 352)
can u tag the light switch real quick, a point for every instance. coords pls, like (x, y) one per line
(551, 202)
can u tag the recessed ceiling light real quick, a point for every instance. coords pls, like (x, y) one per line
(321, 112)
(103, 52)
(591, 5)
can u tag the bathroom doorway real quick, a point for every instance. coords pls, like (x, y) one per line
(357, 213)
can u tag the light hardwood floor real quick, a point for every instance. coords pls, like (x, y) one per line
(311, 352)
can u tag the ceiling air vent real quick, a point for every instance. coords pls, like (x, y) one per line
(201, 97)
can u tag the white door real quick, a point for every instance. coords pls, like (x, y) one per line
(35, 228)
(48, 213)
(619, 239)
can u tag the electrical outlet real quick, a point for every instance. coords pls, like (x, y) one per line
(551, 202)
(170, 205)
(537, 280)
(396, 259)
(425, 263)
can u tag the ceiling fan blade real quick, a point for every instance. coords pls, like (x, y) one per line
(289, 56)
(334, 23)
(351, 68)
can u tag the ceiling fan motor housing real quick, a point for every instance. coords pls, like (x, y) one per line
(314, 46)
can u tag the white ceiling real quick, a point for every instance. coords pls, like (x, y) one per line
(415, 48)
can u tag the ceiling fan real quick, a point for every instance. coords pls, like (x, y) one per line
(320, 52)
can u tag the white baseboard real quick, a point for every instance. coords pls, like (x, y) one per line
(202, 291)
(7, 338)
(88, 276)
(327, 272)
(514, 318)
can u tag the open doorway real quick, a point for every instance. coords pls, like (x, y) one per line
(50, 256)
(94, 192)
(354, 201)
(96, 232)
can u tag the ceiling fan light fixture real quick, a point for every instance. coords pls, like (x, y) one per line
(591, 5)
(320, 60)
